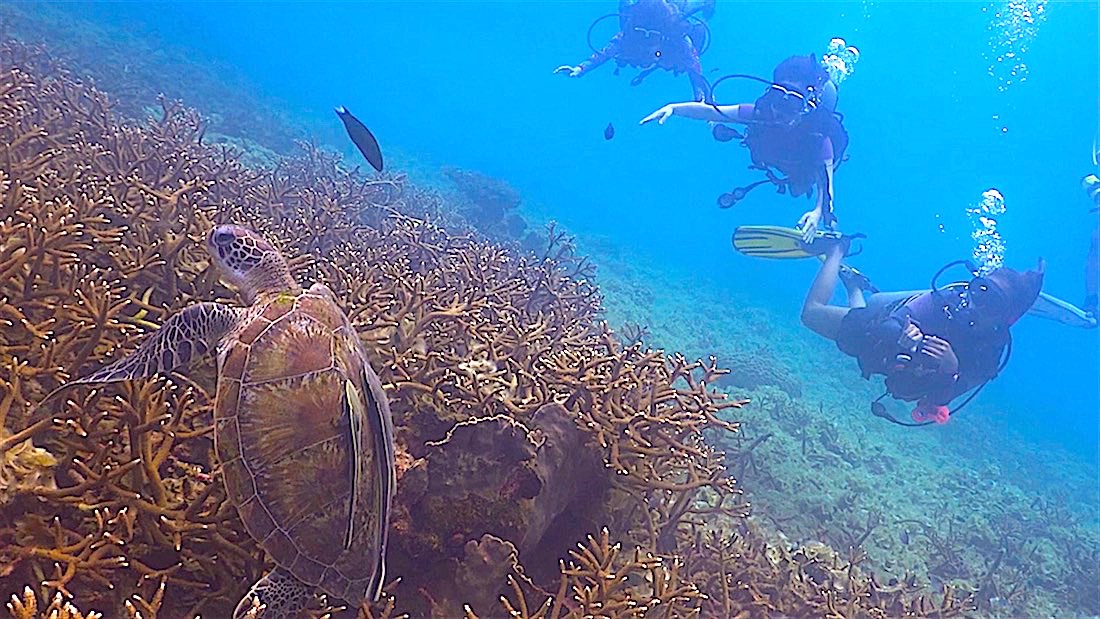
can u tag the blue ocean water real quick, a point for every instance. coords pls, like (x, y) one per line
(932, 126)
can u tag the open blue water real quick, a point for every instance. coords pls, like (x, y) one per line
(932, 127)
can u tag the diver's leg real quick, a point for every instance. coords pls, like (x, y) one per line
(642, 75)
(1092, 272)
(817, 314)
(688, 7)
(855, 296)
(700, 89)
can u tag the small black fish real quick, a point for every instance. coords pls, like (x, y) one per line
(609, 132)
(362, 137)
(904, 537)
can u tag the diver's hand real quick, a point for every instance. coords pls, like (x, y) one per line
(660, 115)
(910, 337)
(940, 350)
(808, 223)
(571, 71)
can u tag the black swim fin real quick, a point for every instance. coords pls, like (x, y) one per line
(362, 137)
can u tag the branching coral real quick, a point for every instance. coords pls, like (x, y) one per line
(749, 574)
(600, 582)
(523, 423)
(26, 607)
(23, 468)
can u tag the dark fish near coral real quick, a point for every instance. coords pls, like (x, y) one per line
(904, 537)
(609, 132)
(362, 137)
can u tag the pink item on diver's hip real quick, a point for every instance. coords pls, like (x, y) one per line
(924, 412)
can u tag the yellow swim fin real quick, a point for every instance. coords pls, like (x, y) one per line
(779, 243)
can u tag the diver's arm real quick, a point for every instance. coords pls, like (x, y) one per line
(822, 213)
(1092, 272)
(642, 75)
(698, 110)
(825, 196)
(608, 52)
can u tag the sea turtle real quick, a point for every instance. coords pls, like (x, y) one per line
(303, 431)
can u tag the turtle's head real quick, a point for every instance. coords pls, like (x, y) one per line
(246, 260)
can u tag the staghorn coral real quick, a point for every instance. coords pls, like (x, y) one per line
(101, 222)
(26, 607)
(496, 364)
(23, 468)
(748, 573)
(598, 583)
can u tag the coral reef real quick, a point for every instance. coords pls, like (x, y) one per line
(523, 424)
(135, 71)
(759, 368)
(634, 333)
(488, 204)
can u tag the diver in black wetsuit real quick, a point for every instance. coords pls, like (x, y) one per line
(655, 34)
(792, 128)
(932, 345)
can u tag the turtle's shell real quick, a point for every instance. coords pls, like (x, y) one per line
(288, 382)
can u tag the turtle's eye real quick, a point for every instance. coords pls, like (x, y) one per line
(224, 238)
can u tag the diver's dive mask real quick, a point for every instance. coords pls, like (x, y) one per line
(978, 302)
(984, 293)
(786, 105)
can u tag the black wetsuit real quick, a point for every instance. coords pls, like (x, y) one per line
(661, 39)
(798, 150)
(872, 336)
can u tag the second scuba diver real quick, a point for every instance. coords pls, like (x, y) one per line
(792, 128)
(656, 34)
(933, 345)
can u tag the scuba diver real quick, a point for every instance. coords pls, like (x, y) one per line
(792, 130)
(655, 34)
(1053, 308)
(1091, 185)
(933, 345)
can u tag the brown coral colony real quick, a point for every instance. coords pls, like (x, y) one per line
(545, 469)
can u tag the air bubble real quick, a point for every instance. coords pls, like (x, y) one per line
(840, 59)
(1014, 25)
(989, 247)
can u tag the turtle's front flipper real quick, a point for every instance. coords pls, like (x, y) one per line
(184, 337)
(283, 596)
